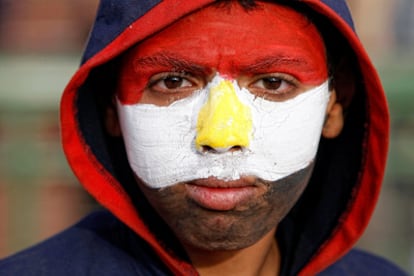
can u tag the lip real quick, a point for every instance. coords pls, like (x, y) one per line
(220, 195)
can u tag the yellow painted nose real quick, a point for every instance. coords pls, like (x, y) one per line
(224, 122)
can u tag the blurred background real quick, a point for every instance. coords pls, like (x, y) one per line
(40, 46)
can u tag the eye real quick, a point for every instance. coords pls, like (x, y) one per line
(274, 87)
(167, 87)
(271, 83)
(170, 83)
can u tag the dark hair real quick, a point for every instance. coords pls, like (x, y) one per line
(247, 4)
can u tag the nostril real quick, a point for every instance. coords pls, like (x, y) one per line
(209, 149)
(235, 148)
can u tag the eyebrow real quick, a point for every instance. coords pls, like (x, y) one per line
(177, 63)
(267, 62)
(171, 61)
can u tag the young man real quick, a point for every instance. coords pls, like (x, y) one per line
(226, 138)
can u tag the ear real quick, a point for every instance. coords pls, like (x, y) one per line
(334, 121)
(111, 121)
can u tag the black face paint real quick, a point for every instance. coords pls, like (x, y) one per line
(238, 228)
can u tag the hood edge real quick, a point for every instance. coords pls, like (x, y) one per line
(347, 233)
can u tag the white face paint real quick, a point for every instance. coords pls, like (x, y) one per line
(161, 141)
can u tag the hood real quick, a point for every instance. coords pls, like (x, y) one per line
(337, 204)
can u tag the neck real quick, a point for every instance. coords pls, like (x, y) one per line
(262, 258)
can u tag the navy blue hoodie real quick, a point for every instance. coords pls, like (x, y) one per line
(318, 234)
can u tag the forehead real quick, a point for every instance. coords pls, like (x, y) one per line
(230, 38)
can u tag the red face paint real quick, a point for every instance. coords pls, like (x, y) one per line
(232, 42)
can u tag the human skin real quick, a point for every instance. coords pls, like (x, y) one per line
(198, 211)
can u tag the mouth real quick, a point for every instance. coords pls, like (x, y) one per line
(220, 195)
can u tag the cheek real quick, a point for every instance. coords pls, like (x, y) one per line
(169, 202)
(283, 194)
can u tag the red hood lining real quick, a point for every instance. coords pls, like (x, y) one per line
(315, 217)
(374, 142)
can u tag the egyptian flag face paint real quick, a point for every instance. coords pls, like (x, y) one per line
(193, 138)
(243, 94)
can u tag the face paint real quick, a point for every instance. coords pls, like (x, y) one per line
(163, 143)
(168, 133)
(268, 39)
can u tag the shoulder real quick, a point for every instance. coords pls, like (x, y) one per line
(97, 245)
(358, 262)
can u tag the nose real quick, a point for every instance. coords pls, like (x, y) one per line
(224, 123)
